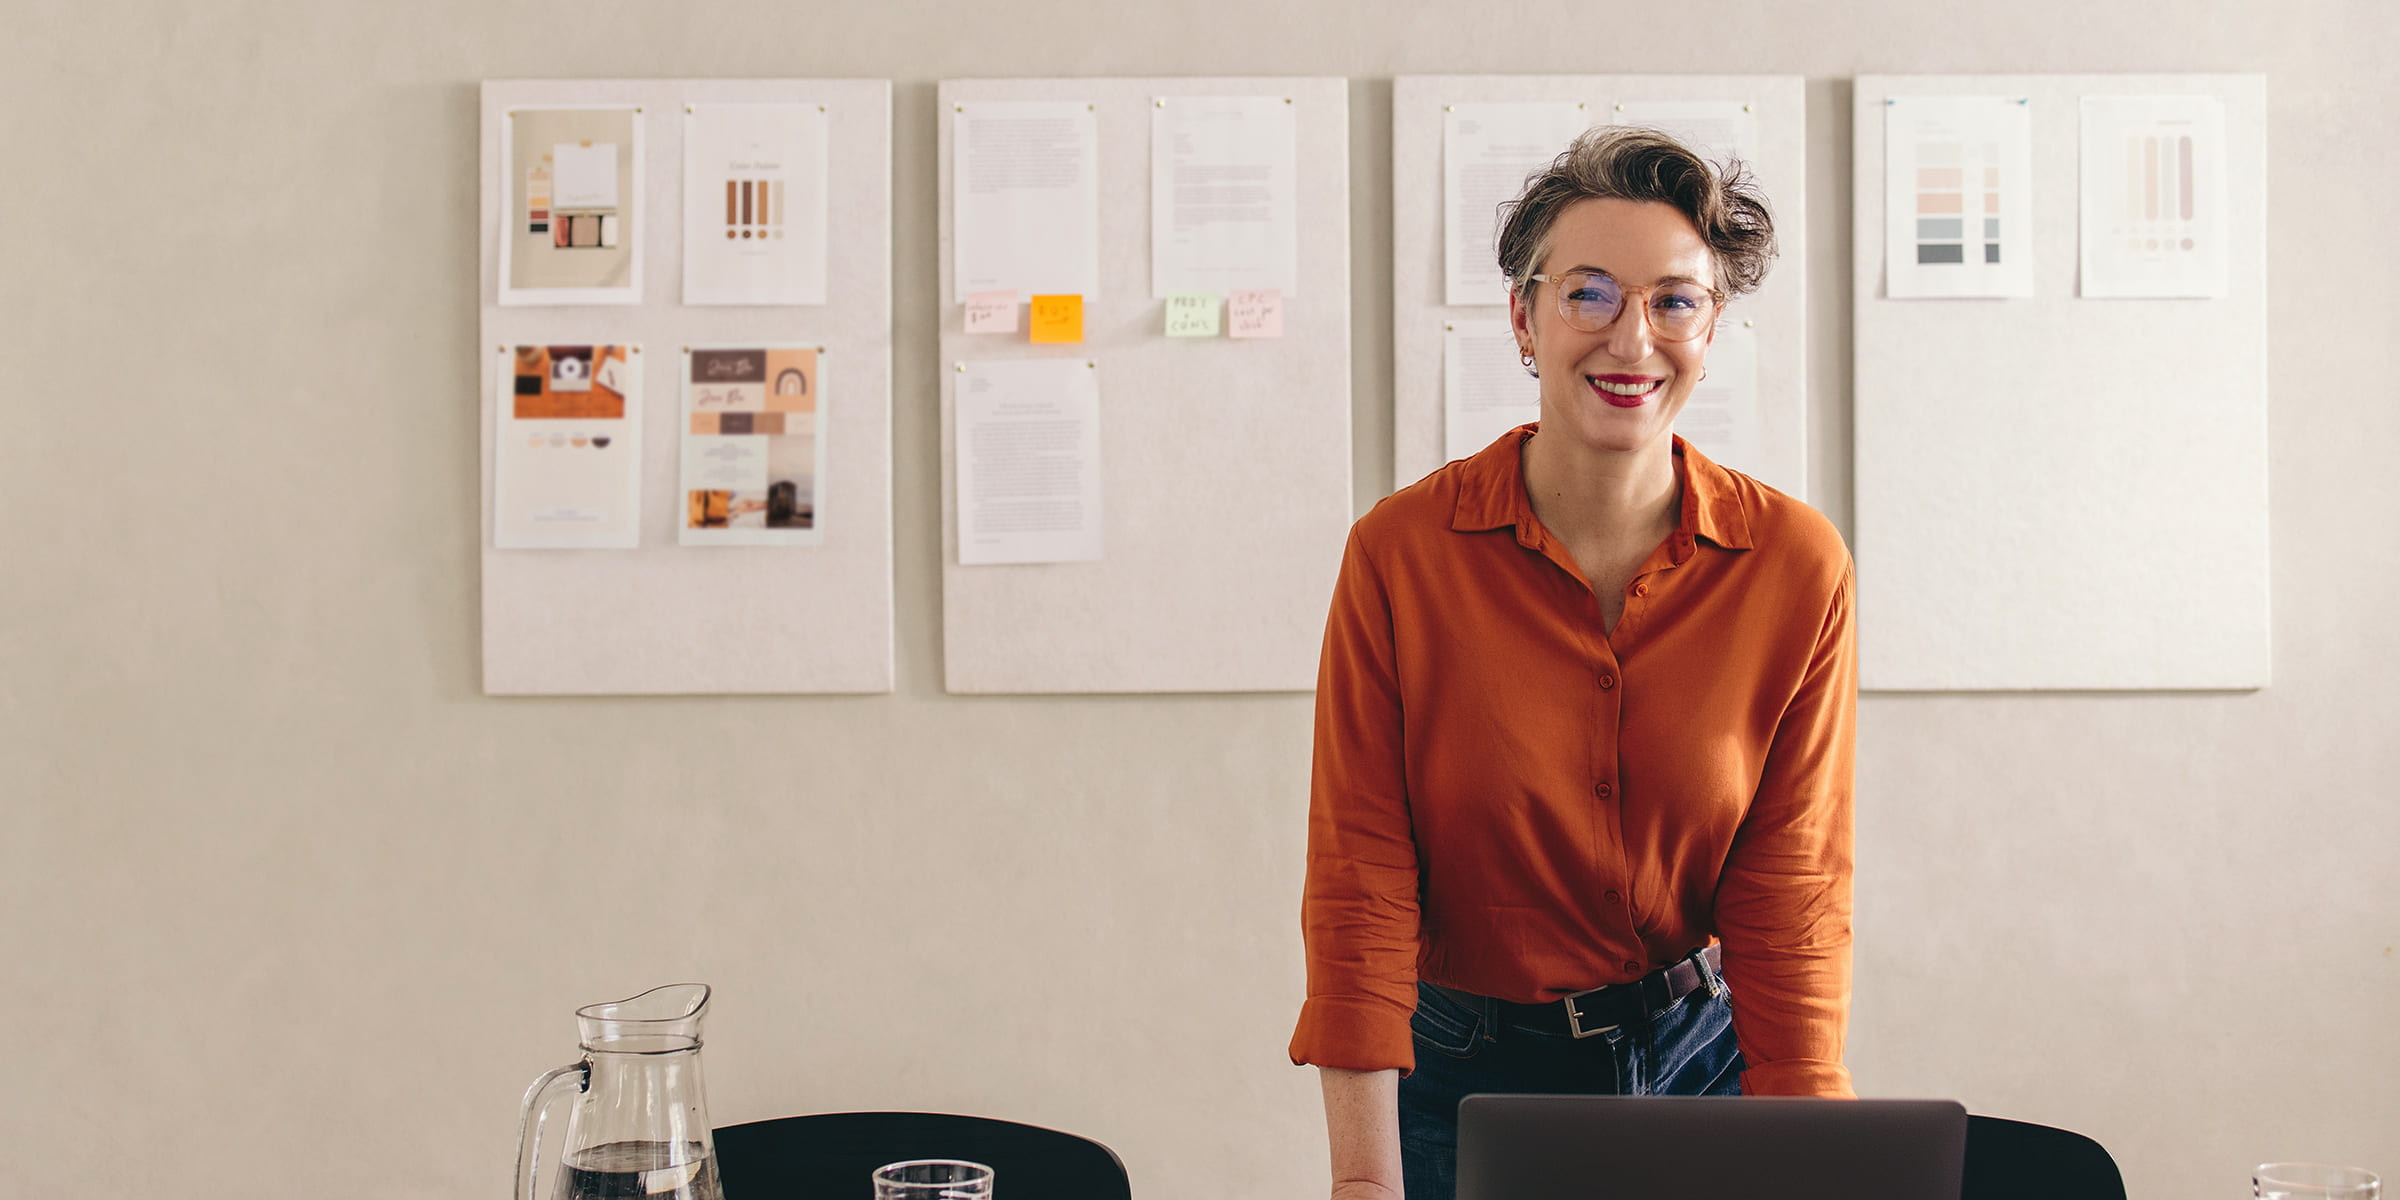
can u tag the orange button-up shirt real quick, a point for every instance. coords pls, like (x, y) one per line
(1510, 801)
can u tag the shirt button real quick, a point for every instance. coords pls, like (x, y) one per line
(1612, 897)
(1607, 682)
(1631, 965)
(1641, 589)
(1601, 790)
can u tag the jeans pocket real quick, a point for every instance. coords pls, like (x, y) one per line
(1697, 1053)
(1445, 1024)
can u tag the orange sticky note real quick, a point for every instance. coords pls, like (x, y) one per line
(1057, 319)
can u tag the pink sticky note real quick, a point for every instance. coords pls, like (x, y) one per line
(991, 312)
(1254, 313)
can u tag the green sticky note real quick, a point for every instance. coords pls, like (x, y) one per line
(1193, 314)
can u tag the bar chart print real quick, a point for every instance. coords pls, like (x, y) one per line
(750, 208)
(1958, 181)
(1956, 222)
(2153, 196)
(754, 195)
(2158, 192)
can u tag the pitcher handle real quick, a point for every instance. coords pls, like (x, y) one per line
(537, 1113)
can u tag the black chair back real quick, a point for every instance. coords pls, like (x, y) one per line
(2015, 1160)
(829, 1156)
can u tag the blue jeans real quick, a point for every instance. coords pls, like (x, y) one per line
(1685, 1049)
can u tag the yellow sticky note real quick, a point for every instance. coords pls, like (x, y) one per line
(1192, 314)
(1057, 318)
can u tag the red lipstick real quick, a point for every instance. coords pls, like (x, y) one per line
(1654, 384)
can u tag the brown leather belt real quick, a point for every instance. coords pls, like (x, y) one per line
(1600, 1010)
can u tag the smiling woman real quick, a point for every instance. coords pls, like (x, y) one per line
(1580, 816)
(1628, 213)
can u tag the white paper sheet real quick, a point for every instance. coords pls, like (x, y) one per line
(1718, 130)
(1028, 459)
(1487, 151)
(1958, 196)
(1723, 418)
(1222, 195)
(2153, 196)
(754, 446)
(1485, 390)
(567, 452)
(1026, 199)
(571, 205)
(586, 174)
(754, 188)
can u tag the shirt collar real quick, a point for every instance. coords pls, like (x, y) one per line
(1491, 494)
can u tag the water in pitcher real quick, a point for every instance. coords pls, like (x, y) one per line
(641, 1171)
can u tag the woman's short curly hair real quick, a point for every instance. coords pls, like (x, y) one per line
(1629, 162)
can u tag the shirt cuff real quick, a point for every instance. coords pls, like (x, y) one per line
(1799, 1077)
(1355, 1033)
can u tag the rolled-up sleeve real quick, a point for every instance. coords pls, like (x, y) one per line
(1783, 899)
(1359, 914)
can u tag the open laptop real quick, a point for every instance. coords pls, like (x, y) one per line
(1708, 1148)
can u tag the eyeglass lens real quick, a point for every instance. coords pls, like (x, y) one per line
(1590, 301)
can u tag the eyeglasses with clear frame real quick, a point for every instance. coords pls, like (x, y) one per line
(1678, 311)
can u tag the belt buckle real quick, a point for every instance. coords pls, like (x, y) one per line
(1575, 1016)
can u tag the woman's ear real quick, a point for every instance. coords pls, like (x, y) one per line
(1520, 320)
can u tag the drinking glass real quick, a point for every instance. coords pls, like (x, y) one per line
(2313, 1181)
(933, 1179)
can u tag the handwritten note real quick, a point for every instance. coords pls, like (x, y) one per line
(1255, 313)
(1057, 319)
(1193, 314)
(991, 312)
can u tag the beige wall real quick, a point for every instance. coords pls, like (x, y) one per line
(288, 908)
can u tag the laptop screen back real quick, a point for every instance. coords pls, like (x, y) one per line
(1708, 1148)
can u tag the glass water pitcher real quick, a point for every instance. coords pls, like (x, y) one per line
(638, 1126)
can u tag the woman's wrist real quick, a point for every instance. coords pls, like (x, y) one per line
(1362, 1128)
